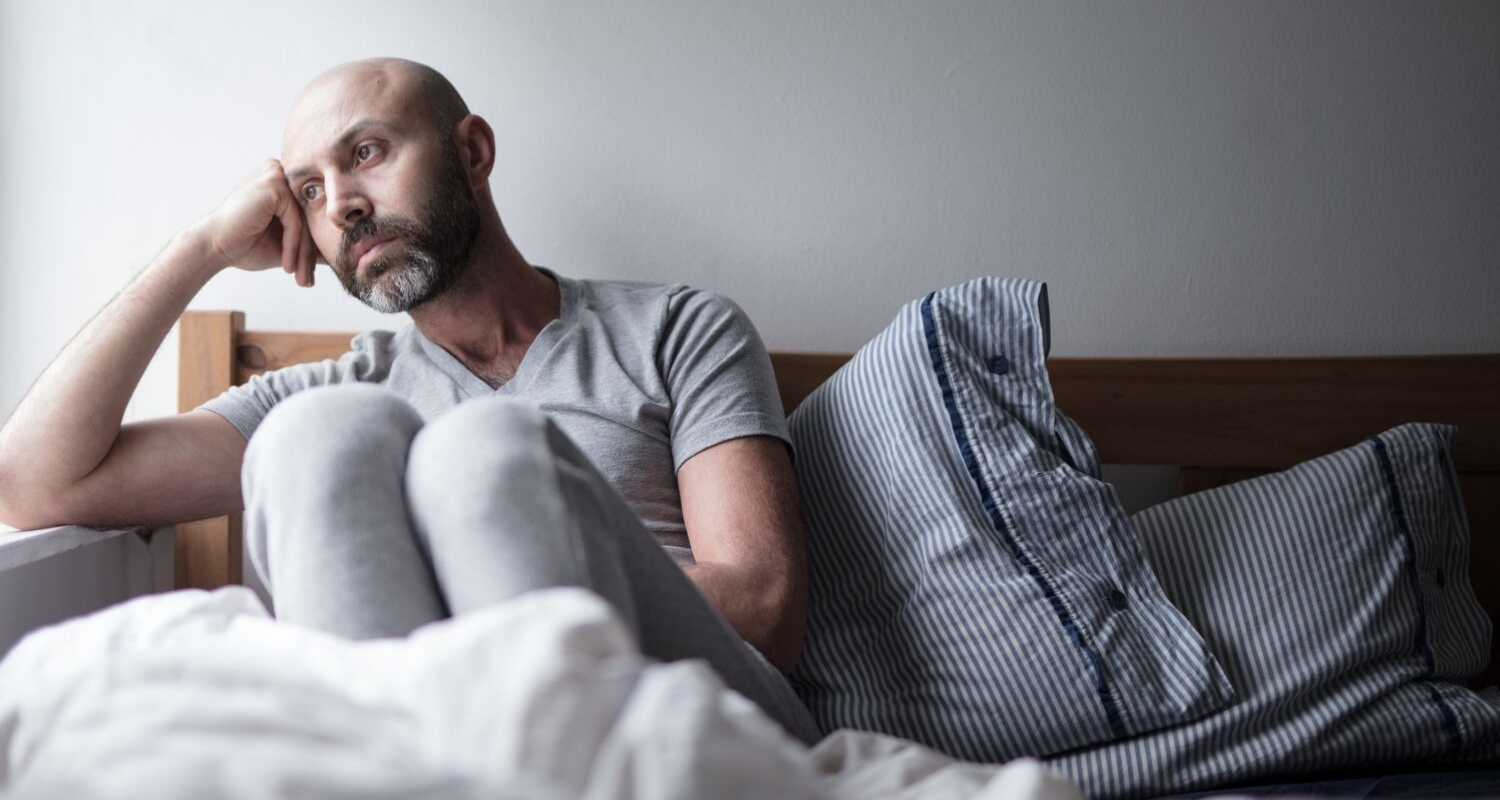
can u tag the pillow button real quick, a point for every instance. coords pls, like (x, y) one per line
(999, 365)
(1441, 582)
(1117, 599)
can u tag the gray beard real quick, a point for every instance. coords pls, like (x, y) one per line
(402, 286)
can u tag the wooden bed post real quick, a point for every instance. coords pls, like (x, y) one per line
(207, 551)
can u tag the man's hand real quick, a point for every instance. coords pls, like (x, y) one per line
(260, 226)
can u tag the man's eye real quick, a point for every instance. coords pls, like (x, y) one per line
(365, 152)
(311, 191)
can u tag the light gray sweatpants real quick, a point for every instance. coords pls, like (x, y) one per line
(364, 522)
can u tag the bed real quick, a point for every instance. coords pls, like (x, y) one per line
(1218, 421)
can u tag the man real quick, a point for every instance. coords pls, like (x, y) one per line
(528, 430)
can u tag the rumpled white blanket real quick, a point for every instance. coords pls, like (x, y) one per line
(196, 694)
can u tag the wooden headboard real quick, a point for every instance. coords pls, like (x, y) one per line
(1217, 420)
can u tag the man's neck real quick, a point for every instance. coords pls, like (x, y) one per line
(491, 315)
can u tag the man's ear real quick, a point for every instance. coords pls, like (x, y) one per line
(476, 146)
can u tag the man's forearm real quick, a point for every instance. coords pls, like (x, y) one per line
(70, 418)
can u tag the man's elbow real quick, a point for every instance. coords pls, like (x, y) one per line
(27, 507)
(784, 653)
(22, 517)
(13, 510)
(767, 607)
(788, 607)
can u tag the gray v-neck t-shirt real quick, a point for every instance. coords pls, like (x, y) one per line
(640, 376)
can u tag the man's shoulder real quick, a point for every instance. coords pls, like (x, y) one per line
(651, 310)
(642, 306)
(627, 291)
(370, 355)
(382, 341)
(647, 300)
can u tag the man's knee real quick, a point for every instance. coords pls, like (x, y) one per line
(494, 445)
(314, 457)
(508, 504)
(325, 428)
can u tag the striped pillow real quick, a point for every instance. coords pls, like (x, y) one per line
(1336, 594)
(974, 586)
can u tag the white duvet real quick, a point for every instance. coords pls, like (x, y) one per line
(197, 694)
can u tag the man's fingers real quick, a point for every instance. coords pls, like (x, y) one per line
(288, 227)
(298, 256)
(309, 251)
(291, 236)
(297, 251)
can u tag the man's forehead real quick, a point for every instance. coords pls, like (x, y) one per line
(336, 101)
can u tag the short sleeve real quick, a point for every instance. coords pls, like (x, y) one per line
(244, 406)
(717, 373)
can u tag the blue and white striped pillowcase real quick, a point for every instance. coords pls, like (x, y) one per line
(1336, 595)
(962, 570)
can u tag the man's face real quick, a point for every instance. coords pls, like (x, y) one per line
(385, 194)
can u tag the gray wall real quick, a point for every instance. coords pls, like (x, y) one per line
(1192, 178)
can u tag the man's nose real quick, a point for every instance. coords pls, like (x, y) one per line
(347, 203)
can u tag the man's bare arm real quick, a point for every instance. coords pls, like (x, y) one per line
(744, 522)
(64, 456)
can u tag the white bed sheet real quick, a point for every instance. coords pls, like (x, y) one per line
(197, 694)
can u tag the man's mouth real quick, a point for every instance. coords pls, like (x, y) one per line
(369, 247)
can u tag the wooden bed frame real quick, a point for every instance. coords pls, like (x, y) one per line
(1217, 420)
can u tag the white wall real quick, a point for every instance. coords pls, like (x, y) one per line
(1191, 178)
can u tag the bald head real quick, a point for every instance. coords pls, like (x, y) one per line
(420, 92)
